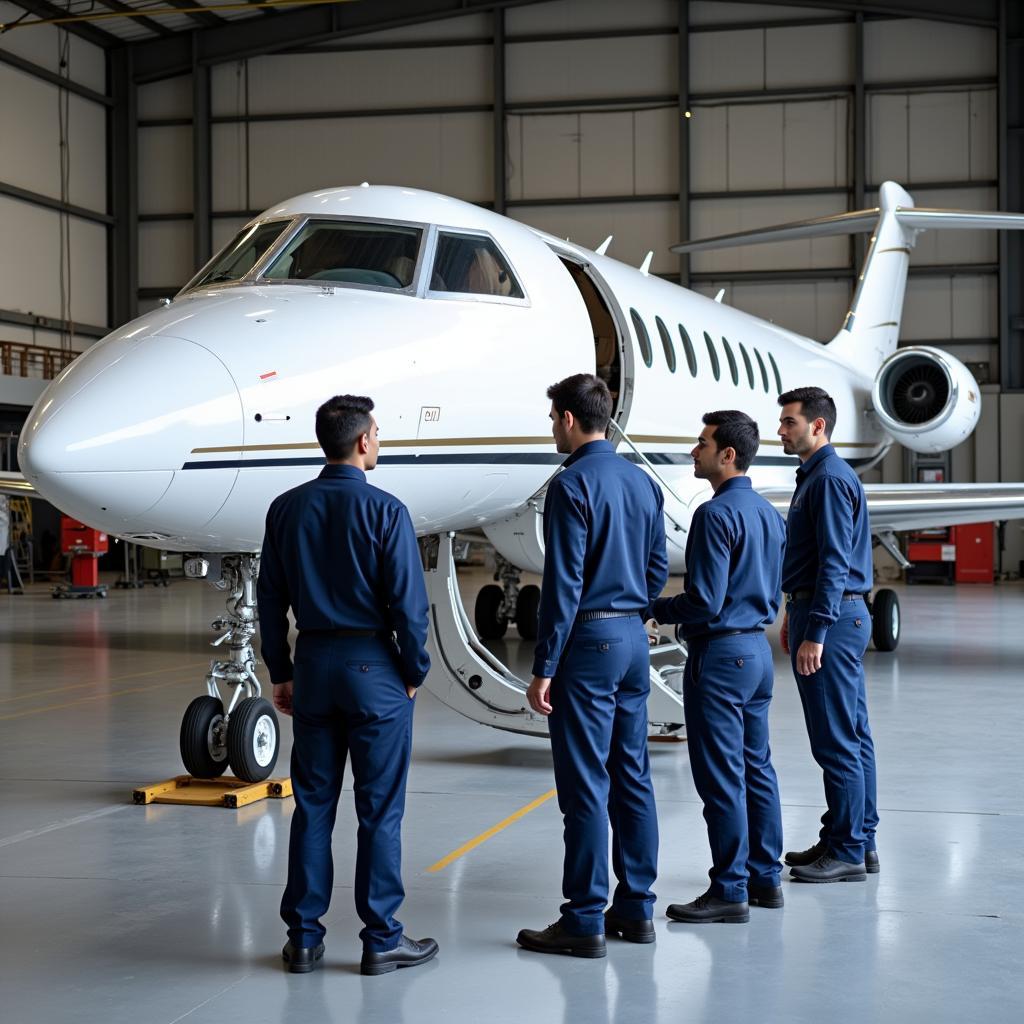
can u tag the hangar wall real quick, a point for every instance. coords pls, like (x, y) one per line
(594, 95)
(53, 263)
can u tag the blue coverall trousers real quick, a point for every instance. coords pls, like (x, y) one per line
(727, 690)
(836, 713)
(349, 703)
(598, 731)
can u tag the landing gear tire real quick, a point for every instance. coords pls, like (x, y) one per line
(885, 620)
(203, 751)
(253, 739)
(491, 621)
(527, 611)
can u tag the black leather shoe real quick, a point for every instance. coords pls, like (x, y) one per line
(829, 869)
(555, 939)
(708, 909)
(765, 896)
(408, 953)
(628, 928)
(302, 959)
(795, 858)
(871, 865)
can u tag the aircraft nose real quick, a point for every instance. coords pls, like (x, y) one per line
(109, 452)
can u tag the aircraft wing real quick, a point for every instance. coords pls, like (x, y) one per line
(923, 506)
(16, 486)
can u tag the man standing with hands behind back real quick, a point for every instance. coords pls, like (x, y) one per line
(605, 561)
(343, 555)
(826, 575)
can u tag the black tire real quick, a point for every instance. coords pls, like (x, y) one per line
(253, 739)
(885, 620)
(202, 756)
(491, 622)
(527, 611)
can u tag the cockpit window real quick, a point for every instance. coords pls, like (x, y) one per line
(473, 265)
(244, 251)
(350, 252)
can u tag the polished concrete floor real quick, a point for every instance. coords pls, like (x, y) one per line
(117, 913)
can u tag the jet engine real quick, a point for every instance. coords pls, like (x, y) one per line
(926, 399)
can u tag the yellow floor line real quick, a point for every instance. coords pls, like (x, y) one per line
(86, 700)
(100, 682)
(493, 831)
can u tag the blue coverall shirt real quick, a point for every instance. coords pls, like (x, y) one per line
(604, 539)
(733, 561)
(343, 555)
(828, 549)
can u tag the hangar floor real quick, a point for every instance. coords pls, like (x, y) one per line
(117, 913)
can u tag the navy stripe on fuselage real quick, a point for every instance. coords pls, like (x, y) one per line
(491, 459)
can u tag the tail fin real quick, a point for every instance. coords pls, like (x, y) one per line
(871, 328)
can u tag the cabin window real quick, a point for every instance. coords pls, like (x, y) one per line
(716, 368)
(775, 370)
(350, 252)
(666, 341)
(764, 372)
(472, 265)
(691, 356)
(642, 337)
(242, 253)
(733, 369)
(748, 366)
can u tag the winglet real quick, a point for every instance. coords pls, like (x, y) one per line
(603, 247)
(646, 265)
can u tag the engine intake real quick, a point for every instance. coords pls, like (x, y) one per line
(927, 399)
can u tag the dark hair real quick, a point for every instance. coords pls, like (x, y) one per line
(815, 403)
(587, 397)
(340, 422)
(736, 430)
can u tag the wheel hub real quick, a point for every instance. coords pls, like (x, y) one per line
(264, 741)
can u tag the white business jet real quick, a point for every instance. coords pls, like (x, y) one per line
(455, 320)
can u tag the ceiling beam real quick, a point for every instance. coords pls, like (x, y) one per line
(121, 8)
(45, 10)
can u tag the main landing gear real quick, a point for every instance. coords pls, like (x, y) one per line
(245, 735)
(884, 607)
(497, 606)
(471, 680)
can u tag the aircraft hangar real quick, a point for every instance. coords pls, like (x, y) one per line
(140, 140)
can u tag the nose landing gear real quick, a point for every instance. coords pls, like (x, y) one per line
(244, 736)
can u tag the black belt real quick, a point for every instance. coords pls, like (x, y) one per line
(806, 595)
(590, 616)
(344, 632)
(723, 632)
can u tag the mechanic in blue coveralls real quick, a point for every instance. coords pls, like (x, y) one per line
(605, 561)
(342, 555)
(732, 592)
(827, 573)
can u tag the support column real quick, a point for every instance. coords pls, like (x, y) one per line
(860, 134)
(500, 185)
(202, 187)
(1011, 195)
(684, 137)
(122, 188)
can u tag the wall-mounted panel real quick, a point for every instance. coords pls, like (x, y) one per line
(441, 76)
(709, 217)
(908, 50)
(165, 254)
(950, 307)
(30, 271)
(590, 16)
(165, 170)
(171, 97)
(637, 227)
(592, 69)
(449, 153)
(86, 63)
(711, 12)
(814, 309)
(808, 55)
(30, 150)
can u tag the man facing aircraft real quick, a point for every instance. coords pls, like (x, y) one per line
(734, 561)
